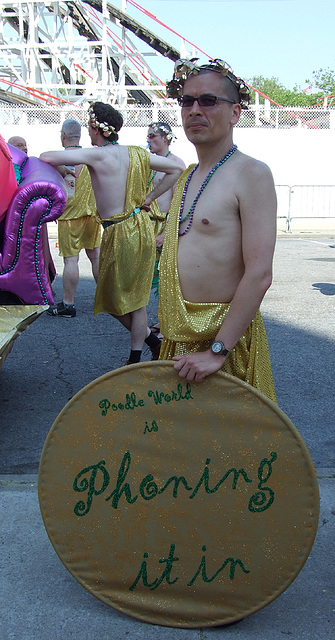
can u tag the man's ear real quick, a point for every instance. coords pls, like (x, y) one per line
(236, 112)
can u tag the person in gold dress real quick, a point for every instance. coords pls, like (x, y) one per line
(119, 176)
(78, 227)
(159, 138)
(216, 263)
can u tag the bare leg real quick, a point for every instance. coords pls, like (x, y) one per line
(93, 256)
(139, 328)
(70, 278)
(137, 323)
(125, 320)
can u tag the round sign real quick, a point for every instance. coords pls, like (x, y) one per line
(181, 504)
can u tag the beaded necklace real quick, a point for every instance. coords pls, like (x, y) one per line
(154, 172)
(190, 214)
(73, 145)
(109, 142)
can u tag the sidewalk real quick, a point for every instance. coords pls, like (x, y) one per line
(52, 360)
(42, 601)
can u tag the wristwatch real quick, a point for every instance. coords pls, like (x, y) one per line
(219, 349)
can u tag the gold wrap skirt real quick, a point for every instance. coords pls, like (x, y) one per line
(189, 327)
(127, 254)
(77, 234)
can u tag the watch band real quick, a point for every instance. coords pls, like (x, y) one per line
(218, 348)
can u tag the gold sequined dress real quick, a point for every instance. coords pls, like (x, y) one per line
(127, 253)
(158, 220)
(78, 227)
(189, 327)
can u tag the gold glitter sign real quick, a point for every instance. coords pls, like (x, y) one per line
(182, 504)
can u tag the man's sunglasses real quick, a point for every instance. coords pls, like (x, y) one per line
(206, 100)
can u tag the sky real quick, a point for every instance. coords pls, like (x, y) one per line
(284, 39)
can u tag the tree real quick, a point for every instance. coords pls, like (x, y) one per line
(273, 89)
(324, 79)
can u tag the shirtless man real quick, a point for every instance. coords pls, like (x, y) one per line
(119, 176)
(213, 282)
(159, 138)
(78, 227)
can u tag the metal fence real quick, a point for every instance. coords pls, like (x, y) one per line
(168, 111)
(301, 201)
(294, 201)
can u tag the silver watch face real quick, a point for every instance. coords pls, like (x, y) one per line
(217, 347)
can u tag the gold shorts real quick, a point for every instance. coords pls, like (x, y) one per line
(77, 234)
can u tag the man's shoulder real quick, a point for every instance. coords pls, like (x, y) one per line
(179, 160)
(252, 165)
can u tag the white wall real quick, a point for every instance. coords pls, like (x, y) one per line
(295, 156)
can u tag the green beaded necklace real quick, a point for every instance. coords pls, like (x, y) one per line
(190, 214)
(110, 142)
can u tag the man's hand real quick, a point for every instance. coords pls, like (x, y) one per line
(64, 170)
(160, 240)
(196, 366)
(146, 207)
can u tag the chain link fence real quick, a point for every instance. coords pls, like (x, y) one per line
(294, 201)
(143, 115)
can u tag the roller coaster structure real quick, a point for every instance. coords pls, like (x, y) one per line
(67, 51)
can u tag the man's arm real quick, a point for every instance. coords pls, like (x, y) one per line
(172, 170)
(70, 156)
(257, 202)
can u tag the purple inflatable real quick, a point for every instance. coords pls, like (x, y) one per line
(26, 265)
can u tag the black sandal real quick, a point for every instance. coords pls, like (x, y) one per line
(155, 329)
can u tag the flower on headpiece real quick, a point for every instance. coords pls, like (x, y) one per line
(107, 129)
(163, 130)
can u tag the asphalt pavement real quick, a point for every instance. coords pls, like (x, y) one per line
(56, 357)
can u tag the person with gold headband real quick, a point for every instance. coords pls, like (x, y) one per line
(159, 138)
(216, 263)
(119, 176)
(78, 227)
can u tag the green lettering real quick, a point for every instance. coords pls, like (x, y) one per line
(202, 569)
(264, 498)
(104, 405)
(177, 482)
(156, 396)
(148, 488)
(204, 479)
(80, 508)
(143, 574)
(119, 489)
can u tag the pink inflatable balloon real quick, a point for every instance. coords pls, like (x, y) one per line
(8, 184)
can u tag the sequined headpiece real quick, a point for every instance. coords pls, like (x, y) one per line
(163, 130)
(184, 68)
(106, 129)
